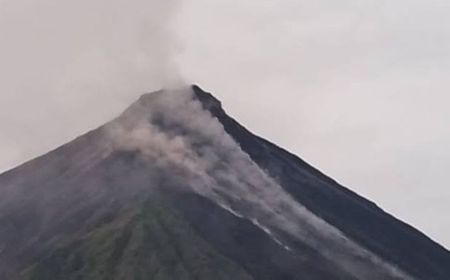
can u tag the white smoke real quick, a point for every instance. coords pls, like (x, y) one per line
(172, 131)
(68, 66)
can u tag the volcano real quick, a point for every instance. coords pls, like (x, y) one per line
(174, 188)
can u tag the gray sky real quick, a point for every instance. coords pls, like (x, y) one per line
(357, 88)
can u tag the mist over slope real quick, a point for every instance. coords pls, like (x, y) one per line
(175, 189)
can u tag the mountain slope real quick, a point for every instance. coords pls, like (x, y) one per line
(354, 215)
(148, 242)
(176, 189)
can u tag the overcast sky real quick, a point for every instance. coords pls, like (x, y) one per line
(358, 88)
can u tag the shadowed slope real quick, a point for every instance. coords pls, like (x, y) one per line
(163, 192)
(352, 214)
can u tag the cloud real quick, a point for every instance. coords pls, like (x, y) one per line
(356, 88)
(70, 66)
(360, 85)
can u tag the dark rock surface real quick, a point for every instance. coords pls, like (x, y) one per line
(88, 210)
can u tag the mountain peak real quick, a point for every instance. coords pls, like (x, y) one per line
(208, 100)
(182, 94)
(174, 188)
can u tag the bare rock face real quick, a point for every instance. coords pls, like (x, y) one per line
(174, 188)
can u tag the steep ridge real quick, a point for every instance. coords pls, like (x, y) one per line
(169, 190)
(355, 216)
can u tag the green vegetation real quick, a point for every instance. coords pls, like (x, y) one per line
(152, 243)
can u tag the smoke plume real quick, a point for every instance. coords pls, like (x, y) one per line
(172, 131)
(68, 66)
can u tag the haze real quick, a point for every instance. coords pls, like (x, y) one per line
(356, 88)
